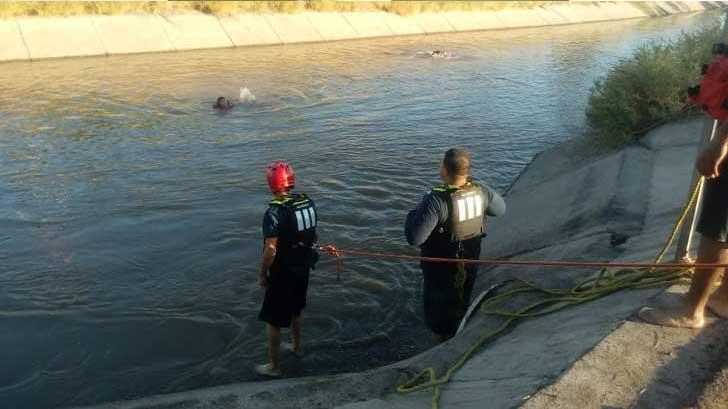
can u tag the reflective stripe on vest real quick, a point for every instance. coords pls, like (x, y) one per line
(469, 208)
(297, 227)
(305, 218)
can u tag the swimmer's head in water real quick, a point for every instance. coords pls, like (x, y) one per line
(436, 52)
(223, 103)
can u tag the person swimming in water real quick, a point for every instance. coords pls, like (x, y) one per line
(440, 54)
(223, 103)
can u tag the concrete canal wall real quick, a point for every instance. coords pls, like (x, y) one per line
(34, 38)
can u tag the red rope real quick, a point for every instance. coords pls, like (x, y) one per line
(339, 268)
(333, 251)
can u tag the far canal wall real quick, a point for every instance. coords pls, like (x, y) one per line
(35, 38)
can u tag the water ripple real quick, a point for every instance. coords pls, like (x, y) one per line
(131, 212)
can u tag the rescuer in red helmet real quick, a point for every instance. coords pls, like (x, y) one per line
(289, 231)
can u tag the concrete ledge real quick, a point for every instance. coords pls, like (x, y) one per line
(36, 38)
(669, 6)
(61, 37)
(369, 24)
(193, 31)
(551, 17)
(13, 47)
(694, 6)
(679, 6)
(565, 17)
(516, 18)
(293, 28)
(403, 25)
(333, 26)
(249, 29)
(657, 368)
(433, 23)
(132, 34)
(470, 21)
(623, 11)
(582, 13)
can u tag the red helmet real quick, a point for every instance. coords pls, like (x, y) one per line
(280, 176)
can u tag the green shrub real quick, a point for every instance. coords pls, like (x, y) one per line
(650, 87)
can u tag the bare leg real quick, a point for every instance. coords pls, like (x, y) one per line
(704, 279)
(691, 311)
(718, 302)
(296, 335)
(274, 346)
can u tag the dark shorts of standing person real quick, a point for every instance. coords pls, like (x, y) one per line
(285, 296)
(713, 221)
(443, 305)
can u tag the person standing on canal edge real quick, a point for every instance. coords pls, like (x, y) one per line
(713, 248)
(449, 222)
(289, 231)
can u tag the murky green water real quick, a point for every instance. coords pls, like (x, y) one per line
(130, 212)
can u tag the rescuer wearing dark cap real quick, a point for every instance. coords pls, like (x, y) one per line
(449, 222)
(289, 230)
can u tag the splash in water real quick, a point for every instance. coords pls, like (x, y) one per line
(440, 54)
(246, 96)
(436, 54)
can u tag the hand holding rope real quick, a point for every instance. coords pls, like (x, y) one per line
(334, 252)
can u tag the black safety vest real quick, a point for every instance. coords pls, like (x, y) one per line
(461, 234)
(297, 232)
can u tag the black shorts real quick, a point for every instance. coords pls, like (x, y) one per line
(285, 296)
(444, 307)
(713, 221)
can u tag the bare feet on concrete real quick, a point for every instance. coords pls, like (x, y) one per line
(678, 317)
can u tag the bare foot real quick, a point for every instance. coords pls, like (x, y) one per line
(671, 317)
(718, 305)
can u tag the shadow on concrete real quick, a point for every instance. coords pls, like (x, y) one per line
(680, 383)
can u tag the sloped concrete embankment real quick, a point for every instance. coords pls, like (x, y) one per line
(643, 366)
(615, 206)
(36, 38)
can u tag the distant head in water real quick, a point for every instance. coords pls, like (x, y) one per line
(436, 53)
(223, 103)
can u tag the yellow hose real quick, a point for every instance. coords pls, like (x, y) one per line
(605, 283)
